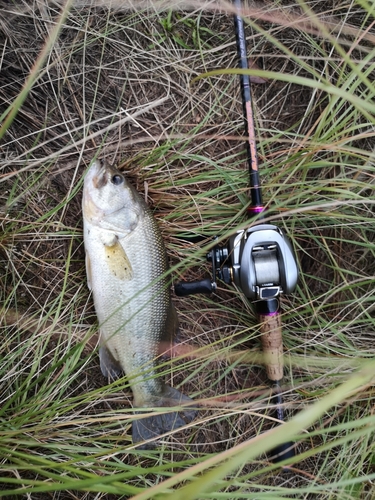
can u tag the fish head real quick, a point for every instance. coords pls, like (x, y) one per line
(109, 201)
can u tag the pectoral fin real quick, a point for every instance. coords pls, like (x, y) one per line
(88, 271)
(118, 261)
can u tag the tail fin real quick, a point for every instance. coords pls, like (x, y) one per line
(152, 427)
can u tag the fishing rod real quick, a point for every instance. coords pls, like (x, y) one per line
(260, 259)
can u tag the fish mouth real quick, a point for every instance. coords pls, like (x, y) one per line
(100, 177)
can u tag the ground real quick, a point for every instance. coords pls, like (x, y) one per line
(120, 83)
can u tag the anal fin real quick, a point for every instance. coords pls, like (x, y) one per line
(109, 366)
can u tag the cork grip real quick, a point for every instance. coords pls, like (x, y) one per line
(272, 344)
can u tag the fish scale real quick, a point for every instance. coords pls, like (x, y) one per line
(126, 266)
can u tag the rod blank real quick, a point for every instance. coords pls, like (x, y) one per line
(252, 155)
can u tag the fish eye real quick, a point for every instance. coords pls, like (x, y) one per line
(117, 179)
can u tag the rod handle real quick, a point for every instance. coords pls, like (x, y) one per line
(272, 345)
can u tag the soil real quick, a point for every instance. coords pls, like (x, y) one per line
(91, 81)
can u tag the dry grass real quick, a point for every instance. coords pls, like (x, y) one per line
(118, 83)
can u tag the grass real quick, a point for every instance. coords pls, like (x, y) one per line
(156, 91)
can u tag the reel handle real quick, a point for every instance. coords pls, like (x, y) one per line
(185, 288)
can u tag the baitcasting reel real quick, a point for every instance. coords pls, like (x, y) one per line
(259, 260)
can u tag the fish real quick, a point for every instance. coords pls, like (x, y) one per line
(126, 266)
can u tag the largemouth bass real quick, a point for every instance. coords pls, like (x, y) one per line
(125, 264)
